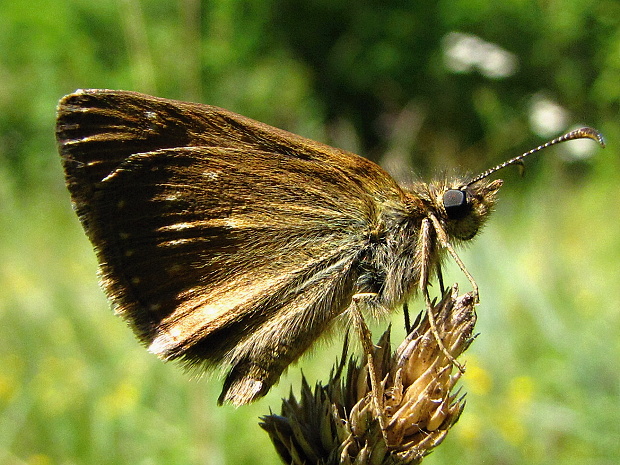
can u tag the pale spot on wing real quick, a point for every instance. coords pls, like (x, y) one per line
(162, 344)
(175, 242)
(211, 175)
(238, 221)
(213, 223)
(175, 269)
(70, 142)
(242, 389)
(129, 252)
(177, 227)
(124, 235)
(85, 139)
(121, 204)
(165, 341)
(232, 223)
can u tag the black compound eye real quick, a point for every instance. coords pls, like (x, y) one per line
(455, 203)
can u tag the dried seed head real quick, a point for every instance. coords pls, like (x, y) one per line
(338, 424)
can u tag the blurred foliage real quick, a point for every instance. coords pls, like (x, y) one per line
(372, 77)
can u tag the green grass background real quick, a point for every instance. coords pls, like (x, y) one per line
(543, 381)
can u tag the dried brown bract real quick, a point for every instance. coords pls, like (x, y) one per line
(337, 423)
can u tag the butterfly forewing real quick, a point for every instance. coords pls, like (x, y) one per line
(219, 238)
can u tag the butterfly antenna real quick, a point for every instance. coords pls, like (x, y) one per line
(581, 133)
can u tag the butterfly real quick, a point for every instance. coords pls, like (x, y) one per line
(223, 241)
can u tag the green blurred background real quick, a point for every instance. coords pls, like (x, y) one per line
(418, 86)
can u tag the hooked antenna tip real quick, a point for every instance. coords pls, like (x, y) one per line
(590, 133)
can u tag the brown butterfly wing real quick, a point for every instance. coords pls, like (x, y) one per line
(220, 239)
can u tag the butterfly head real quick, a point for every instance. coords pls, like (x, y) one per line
(465, 206)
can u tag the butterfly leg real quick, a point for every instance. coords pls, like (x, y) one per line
(425, 263)
(443, 239)
(368, 347)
